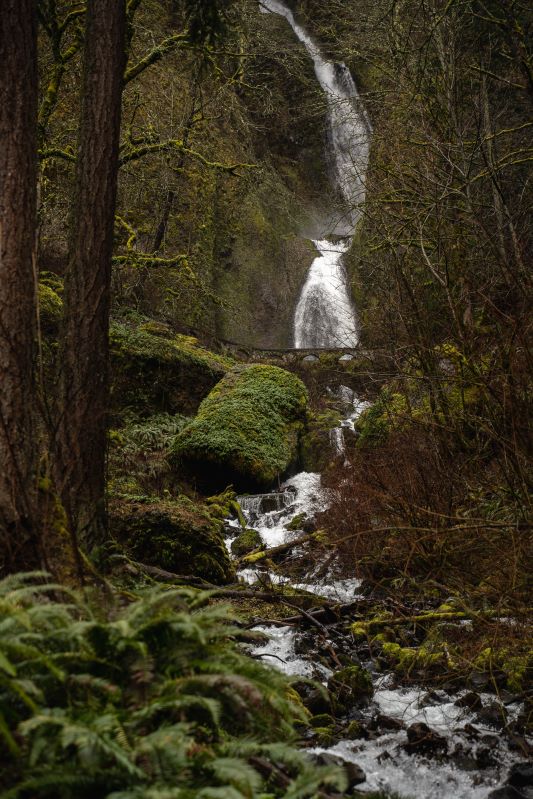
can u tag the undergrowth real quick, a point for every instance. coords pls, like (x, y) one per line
(146, 696)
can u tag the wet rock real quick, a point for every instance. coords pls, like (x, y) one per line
(317, 701)
(422, 739)
(521, 774)
(389, 723)
(350, 686)
(507, 792)
(479, 680)
(355, 774)
(493, 714)
(433, 698)
(355, 730)
(246, 542)
(471, 700)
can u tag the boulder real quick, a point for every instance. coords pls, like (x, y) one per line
(246, 542)
(246, 431)
(179, 536)
(154, 370)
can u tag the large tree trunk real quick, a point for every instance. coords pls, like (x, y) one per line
(18, 177)
(84, 340)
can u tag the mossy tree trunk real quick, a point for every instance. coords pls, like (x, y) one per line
(84, 344)
(19, 539)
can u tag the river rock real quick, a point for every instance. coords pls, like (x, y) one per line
(521, 774)
(492, 714)
(246, 542)
(350, 686)
(507, 792)
(422, 739)
(471, 700)
(389, 723)
(316, 700)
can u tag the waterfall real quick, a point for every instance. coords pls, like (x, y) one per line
(325, 315)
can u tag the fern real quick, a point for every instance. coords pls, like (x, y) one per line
(154, 699)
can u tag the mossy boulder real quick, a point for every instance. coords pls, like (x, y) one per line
(155, 370)
(246, 542)
(246, 431)
(180, 536)
(350, 686)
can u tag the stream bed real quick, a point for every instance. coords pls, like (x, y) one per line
(413, 742)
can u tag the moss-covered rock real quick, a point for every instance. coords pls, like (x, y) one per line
(246, 432)
(350, 686)
(154, 370)
(179, 536)
(316, 449)
(246, 542)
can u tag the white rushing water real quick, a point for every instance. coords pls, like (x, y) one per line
(325, 315)
(386, 763)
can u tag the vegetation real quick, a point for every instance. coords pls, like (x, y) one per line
(160, 169)
(246, 431)
(152, 698)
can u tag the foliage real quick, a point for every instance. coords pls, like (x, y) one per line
(138, 454)
(246, 429)
(151, 698)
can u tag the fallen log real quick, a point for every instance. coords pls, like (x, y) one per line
(262, 554)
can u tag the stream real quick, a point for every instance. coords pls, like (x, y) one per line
(469, 757)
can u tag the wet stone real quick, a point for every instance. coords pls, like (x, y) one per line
(493, 714)
(471, 700)
(422, 739)
(507, 792)
(521, 774)
(355, 774)
(389, 723)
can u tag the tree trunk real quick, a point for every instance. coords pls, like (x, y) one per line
(84, 345)
(18, 179)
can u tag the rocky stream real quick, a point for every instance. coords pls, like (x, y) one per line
(407, 740)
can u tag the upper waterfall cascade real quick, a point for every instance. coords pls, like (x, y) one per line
(325, 314)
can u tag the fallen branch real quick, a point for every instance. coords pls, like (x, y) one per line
(261, 554)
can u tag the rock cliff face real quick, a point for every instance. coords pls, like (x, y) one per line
(232, 173)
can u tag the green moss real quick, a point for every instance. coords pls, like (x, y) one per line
(225, 505)
(296, 522)
(246, 431)
(50, 308)
(321, 720)
(349, 686)
(428, 657)
(246, 542)
(155, 370)
(179, 536)
(316, 451)
(389, 411)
